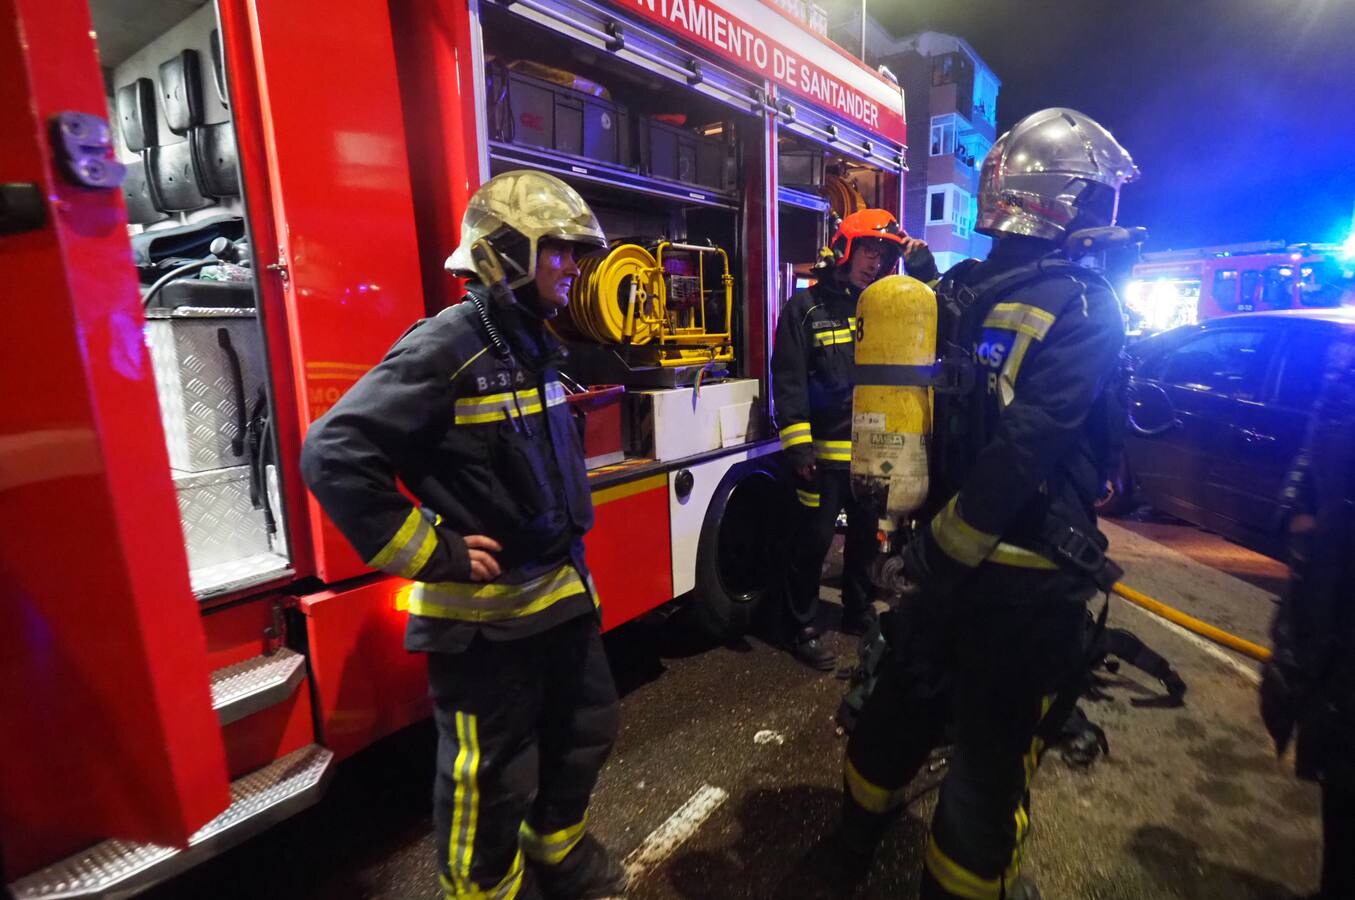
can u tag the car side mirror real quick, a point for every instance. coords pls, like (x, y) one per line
(1150, 411)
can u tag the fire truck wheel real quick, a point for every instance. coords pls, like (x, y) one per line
(738, 553)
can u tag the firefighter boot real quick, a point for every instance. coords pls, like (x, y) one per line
(861, 829)
(588, 873)
(808, 647)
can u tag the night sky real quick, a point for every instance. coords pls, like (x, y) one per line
(1240, 113)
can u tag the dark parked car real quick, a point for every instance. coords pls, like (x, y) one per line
(1218, 412)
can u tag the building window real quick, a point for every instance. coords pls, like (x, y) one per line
(951, 205)
(985, 98)
(971, 149)
(938, 202)
(950, 68)
(963, 205)
(943, 134)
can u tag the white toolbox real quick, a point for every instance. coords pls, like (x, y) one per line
(675, 423)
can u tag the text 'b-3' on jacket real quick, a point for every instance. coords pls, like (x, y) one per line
(811, 374)
(486, 445)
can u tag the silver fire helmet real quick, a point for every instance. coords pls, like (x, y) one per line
(513, 212)
(1056, 171)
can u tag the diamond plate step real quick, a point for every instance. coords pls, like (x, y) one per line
(256, 683)
(121, 869)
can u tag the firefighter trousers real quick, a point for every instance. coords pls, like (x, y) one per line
(1016, 642)
(1338, 842)
(817, 512)
(524, 727)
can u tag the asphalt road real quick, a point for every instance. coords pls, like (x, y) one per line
(1191, 802)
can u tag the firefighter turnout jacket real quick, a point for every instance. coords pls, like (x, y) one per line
(485, 443)
(1026, 448)
(811, 374)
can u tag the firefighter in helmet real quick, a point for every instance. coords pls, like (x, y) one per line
(467, 412)
(812, 389)
(1007, 554)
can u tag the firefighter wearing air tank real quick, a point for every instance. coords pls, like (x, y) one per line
(812, 390)
(467, 411)
(991, 649)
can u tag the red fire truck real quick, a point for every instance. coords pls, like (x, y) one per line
(1180, 287)
(214, 217)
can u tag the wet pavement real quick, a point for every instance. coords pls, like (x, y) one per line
(1190, 803)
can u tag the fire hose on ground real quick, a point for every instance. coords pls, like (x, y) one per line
(1192, 624)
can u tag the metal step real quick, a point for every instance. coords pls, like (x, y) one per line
(121, 869)
(256, 683)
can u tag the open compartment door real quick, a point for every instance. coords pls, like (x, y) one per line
(104, 683)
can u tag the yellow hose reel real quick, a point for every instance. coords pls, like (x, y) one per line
(655, 302)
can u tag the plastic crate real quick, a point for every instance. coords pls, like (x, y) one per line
(542, 114)
(682, 155)
(800, 168)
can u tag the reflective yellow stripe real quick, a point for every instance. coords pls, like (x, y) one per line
(554, 847)
(403, 537)
(496, 407)
(465, 805)
(467, 363)
(833, 451)
(872, 797)
(421, 555)
(959, 881)
(1022, 318)
(807, 498)
(794, 435)
(1011, 555)
(506, 889)
(961, 541)
(492, 602)
(1007, 380)
(830, 338)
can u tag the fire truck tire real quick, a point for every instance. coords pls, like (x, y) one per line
(738, 555)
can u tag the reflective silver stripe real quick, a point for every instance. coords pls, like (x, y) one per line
(833, 451)
(555, 393)
(494, 602)
(1021, 317)
(958, 539)
(411, 533)
(495, 407)
(414, 555)
(554, 847)
(829, 338)
(793, 435)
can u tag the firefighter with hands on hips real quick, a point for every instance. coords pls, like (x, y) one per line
(812, 389)
(992, 645)
(1308, 685)
(467, 411)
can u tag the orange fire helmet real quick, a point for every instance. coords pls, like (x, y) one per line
(876, 224)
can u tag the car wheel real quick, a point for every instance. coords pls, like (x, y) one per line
(1117, 498)
(738, 556)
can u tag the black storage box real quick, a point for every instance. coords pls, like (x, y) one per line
(537, 112)
(682, 155)
(800, 168)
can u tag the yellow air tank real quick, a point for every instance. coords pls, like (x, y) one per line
(892, 400)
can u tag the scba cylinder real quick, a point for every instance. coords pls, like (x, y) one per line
(892, 400)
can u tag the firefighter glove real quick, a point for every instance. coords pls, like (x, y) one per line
(919, 262)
